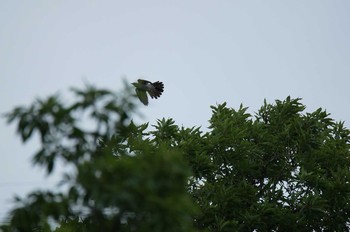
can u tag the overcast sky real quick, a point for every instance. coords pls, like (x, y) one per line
(205, 52)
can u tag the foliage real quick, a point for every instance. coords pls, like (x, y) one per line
(278, 170)
(120, 182)
(281, 171)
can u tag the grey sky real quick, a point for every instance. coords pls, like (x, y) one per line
(205, 52)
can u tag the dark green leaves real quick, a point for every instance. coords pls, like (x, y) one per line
(279, 170)
(71, 131)
(124, 178)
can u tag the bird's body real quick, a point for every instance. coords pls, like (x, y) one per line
(143, 87)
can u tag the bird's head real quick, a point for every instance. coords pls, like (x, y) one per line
(139, 82)
(136, 84)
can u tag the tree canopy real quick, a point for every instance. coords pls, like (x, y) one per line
(281, 169)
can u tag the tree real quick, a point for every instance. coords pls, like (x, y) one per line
(279, 170)
(121, 180)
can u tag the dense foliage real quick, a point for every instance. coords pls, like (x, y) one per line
(279, 170)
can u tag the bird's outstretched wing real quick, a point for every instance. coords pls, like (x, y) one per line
(142, 96)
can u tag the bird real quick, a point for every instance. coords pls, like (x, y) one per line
(142, 87)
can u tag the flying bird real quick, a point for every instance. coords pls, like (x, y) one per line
(142, 87)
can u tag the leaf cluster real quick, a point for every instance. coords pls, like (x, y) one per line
(280, 169)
